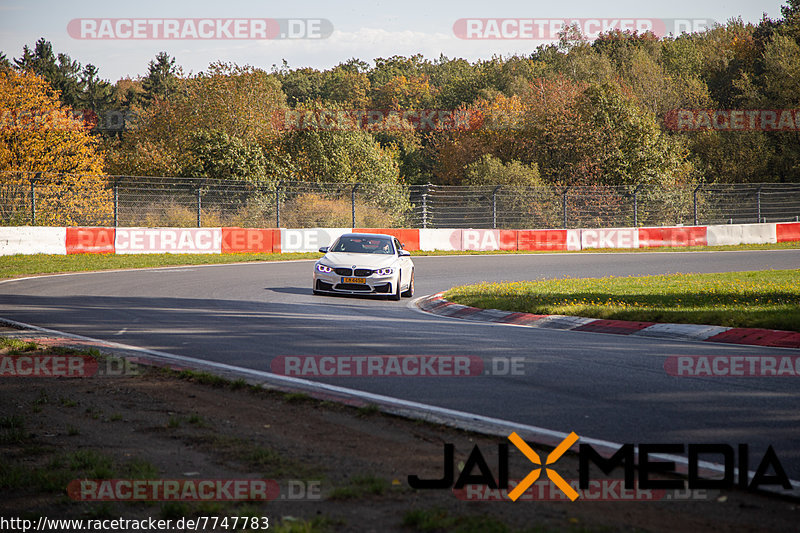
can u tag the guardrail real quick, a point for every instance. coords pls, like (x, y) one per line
(73, 240)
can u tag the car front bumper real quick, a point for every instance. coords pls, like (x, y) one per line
(334, 283)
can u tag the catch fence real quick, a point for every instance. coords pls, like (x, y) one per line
(91, 200)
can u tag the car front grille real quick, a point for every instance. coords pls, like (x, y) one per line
(353, 287)
(343, 271)
(362, 272)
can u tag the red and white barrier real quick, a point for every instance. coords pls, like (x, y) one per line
(548, 239)
(249, 240)
(672, 237)
(488, 240)
(409, 238)
(448, 240)
(609, 238)
(788, 232)
(77, 240)
(310, 239)
(90, 240)
(32, 240)
(168, 241)
(733, 234)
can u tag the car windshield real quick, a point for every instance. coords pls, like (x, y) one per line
(363, 245)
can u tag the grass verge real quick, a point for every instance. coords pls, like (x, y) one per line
(25, 265)
(12, 266)
(761, 299)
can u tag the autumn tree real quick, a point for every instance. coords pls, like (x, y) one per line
(40, 139)
(239, 102)
(346, 86)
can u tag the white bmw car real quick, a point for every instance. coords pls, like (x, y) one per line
(365, 263)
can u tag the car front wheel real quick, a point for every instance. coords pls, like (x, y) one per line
(396, 295)
(410, 291)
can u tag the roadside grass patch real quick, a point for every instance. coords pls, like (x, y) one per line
(439, 519)
(760, 299)
(12, 430)
(368, 410)
(15, 346)
(255, 456)
(289, 524)
(58, 470)
(434, 520)
(26, 265)
(361, 486)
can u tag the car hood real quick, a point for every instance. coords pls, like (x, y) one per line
(344, 259)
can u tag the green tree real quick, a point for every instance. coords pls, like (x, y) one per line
(218, 155)
(60, 71)
(301, 86)
(95, 94)
(162, 78)
(489, 170)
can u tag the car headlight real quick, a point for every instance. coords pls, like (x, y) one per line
(324, 268)
(384, 271)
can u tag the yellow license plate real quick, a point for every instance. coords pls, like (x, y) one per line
(353, 280)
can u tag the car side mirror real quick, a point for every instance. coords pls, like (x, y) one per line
(324, 250)
(404, 253)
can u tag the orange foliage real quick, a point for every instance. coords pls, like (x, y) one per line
(38, 135)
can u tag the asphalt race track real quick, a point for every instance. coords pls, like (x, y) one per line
(599, 385)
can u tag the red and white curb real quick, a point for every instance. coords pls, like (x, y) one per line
(437, 305)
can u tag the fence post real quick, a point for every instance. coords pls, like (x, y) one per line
(758, 203)
(636, 205)
(116, 202)
(353, 204)
(494, 206)
(278, 205)
(564, 205)
(199, 205)
(34, 179)
(425, 206)
(694, 201)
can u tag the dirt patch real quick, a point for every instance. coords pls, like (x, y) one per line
(339, 468)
